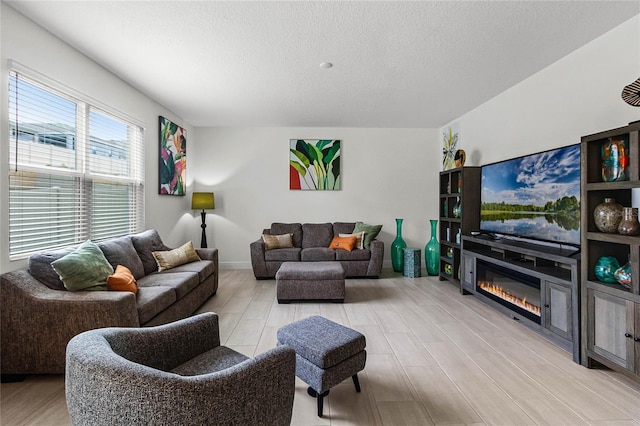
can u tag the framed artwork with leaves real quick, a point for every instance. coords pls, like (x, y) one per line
(173, 158)
(450, 144)
(314, 164)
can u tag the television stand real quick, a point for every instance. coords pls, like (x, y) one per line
(532, 283)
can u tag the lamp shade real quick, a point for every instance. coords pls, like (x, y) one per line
(202, 201)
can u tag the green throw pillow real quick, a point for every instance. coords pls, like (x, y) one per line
(85, 268)
(370, 232)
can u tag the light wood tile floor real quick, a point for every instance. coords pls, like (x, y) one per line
(433, 357)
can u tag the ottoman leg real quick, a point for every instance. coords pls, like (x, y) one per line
(356, 382)
(320, 398)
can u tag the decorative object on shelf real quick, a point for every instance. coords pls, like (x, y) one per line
(450, 136)
(314, 164)
(447, 268)
(445, 209)
(457, 208)
(614, 160)
(460, 183)
(623, 275)
(450, 252)
(432, 251)
(605, 269)
(203, 201)
(607, 215)
(629, 224)
(459, 236)
(460, 157)
(173, 158)
(397, 248)
(631, 93)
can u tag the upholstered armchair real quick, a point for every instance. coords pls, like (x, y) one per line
(175, 374)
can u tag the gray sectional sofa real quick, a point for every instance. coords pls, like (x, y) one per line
(311, 244)
(39, 316)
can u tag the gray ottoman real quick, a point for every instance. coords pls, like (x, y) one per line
(326, 354)
(310, 281)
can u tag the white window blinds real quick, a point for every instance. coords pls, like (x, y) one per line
(76, 171)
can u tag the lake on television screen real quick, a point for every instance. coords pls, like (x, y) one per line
(541, 227)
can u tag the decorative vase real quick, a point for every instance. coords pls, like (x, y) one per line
(432, 251)
(607, 215)
(397, 248)
(605, 269)
(629, 224)
(457, 208)
(614, 159)
(623, 275)
(445, 208)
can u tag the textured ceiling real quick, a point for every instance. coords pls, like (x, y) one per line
(396, 64)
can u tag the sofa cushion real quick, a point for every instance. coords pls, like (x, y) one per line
(288, 228)
(359, 239)
(318, 254)
(283, 255)
(343, 228)
(150, 301)
(356, 254)
(120, 251)
(122, 280)
(343, 243)
(85, 268)
(316, 235)
(277, 241)
(146, 243)
(181, 282)
(370, 232)
(171, 258)
(204, 269)
(40, 267)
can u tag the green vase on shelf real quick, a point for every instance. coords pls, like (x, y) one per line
(397, 248)
(432, 251)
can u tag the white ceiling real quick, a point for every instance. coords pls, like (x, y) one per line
(396, 64)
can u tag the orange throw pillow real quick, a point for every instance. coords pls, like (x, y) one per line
(122, 280)
(344, 243)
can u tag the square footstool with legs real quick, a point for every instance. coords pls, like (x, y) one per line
(326, 354)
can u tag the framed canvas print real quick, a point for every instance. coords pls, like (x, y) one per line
(173, 158)
(314, 164)
(450, 143)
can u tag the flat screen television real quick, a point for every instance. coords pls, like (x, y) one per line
(534, 197)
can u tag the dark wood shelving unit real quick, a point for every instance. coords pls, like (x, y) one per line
(463, 184)
(610, 313)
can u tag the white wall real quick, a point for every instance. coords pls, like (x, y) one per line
(576, 96)
(387, 174)
(35, 48)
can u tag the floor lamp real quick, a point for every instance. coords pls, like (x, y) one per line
(203, 201)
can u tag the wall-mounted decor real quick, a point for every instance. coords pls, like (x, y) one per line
(314, 164)
(450, 139)
(173, 158)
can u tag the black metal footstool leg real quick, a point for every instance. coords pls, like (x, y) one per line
(320, 398)
(356, 382)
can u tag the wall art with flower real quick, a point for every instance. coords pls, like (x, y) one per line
(173, 158)
(450, 144)
(314, 164)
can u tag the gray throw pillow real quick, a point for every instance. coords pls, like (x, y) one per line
(120, 251)
(145, 244)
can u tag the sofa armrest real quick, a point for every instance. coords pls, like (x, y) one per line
(38, 322)
(258, 262)
(377, 256)
(208, 254)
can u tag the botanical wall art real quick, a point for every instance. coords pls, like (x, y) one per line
(314, 164)
(450, 143)
(173, 158)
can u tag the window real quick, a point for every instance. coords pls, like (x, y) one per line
(76, 171)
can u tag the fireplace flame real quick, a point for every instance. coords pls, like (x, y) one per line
(498, 291)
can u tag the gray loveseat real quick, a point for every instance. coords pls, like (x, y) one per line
(311, 244)
(39, 316)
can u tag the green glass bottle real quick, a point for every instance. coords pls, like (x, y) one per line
(397, 248)
(432, 251)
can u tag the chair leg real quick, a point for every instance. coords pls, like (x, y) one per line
(356, 382)
(320, 398)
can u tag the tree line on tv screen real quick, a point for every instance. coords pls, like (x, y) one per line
(564, 211)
